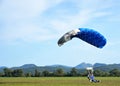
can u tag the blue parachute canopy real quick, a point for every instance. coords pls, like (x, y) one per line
(88, 35)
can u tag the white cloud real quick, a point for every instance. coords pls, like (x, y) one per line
(23, 18)
(20, 9)
(18, 19)
(80, 19)
(26, 33)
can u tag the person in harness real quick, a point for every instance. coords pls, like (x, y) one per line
(90, 75)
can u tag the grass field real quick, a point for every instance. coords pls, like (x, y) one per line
(59, 81)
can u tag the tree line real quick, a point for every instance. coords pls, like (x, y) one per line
(57, 73)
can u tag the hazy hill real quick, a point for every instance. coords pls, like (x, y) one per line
(99, 65)
(83, 65)
(108, 67)
(31, 67)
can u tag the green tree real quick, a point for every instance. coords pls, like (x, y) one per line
(17, 73)
(1, 74)
(7, 72)
(45, 73)
(115, 72)
(97, 72)
(85, 73)
(28, 74)
(100, 73)
(59, 72)
(73, 72)
(37, 73)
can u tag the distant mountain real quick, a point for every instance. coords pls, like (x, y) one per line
(60, 66)
(99, 65)
(25, 66)
(83, 65)
(2, 68)
(108, 67)
(30, 68)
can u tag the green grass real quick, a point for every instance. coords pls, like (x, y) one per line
(59, 81)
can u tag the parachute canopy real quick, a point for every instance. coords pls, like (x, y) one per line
(88, 35)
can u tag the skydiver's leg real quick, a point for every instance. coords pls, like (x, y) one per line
(95, 81)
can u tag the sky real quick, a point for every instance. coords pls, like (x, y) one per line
(30, 29)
